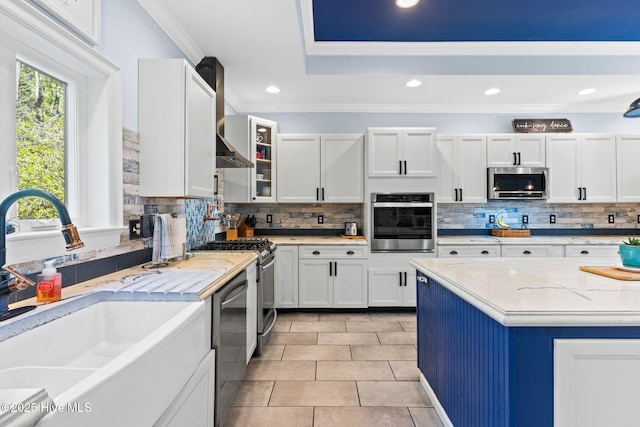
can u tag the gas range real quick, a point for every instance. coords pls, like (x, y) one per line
(263, 247)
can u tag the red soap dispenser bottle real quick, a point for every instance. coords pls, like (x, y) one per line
(49, 284)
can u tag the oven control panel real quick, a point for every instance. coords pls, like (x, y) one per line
(403, 198)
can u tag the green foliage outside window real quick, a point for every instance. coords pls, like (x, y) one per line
(40, 137)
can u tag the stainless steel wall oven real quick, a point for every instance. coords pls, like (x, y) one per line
(403, 222)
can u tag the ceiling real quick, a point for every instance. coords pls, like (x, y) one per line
(357, 55)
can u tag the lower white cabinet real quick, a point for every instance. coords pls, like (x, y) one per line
(332, 277)
(469, 251)
(194, 405)
(392, 281)
(591, 250)
(532, 250)
(286, 277)
(252, 311)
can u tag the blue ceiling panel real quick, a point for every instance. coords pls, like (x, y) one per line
(477, 20)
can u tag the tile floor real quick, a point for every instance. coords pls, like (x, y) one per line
(336, 369)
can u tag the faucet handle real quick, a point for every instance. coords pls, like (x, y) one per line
(20, 282)
(70, 233)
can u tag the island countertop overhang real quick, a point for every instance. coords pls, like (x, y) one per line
(523, 292)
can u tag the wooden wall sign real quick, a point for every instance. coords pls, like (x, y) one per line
(541, 125)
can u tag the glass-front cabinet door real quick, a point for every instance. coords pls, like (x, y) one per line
(263, 175)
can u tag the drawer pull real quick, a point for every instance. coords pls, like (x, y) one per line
(350, 253)
(316, 252)
(585, 252)
(453, 253)
(485, 252)
(526, 252)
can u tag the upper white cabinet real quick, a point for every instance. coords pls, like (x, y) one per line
(509, 150)
(401, 152)
(177, 130)
(463, 169)
(582, 168)
(628, 172)
(320, 168)
(255, 139)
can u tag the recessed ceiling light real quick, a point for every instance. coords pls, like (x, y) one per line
(587, 91)
(406, 3)
(492, 91)
(414, 83)
(273, 89)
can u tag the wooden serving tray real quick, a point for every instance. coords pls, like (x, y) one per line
(612, 272)
(344, 236)
(511, 232)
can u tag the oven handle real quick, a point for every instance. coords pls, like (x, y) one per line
(243, 286)
(403, 205)
(264, 267)
(275, 317)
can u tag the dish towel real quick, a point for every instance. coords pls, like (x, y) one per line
(169, 237)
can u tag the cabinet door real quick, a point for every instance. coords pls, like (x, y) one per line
(419, 152)
(342, 168)
(263, 154)
(501, 151)
(316, 283)
(384, 152)
(447, 146)
(530, 150)
(472, 168)
(564, 170)
(286, 277)
(350, 283)
(200, 136)
(628, 179)
(598, 168)
(409, 293)
(386, 287)
(252, 311)
(298, 168)
(532, 251)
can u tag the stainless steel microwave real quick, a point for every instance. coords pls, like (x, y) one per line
(517, 183)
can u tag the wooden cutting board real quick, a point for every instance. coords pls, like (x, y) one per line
(613, 272)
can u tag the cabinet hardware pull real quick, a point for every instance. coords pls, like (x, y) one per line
(400, 167)
(579, 193)
(316, 252)
(405, 167)
(515, 159)
(335, 269)
(519, 160)
(400, 278)
(317, 193)
(485, 252)
(322, 193)
(461, 194)
(453, 253)
(405, 278)
(585, 252)
(350, 253)
(526, 252)
(585, 193)
(331, 269)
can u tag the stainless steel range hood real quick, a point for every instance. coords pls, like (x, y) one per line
(212, 72)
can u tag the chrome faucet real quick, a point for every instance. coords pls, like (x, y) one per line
(9, 285)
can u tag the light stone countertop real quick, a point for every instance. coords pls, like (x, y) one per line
(533, 240)
(540, 292)
(314, 240)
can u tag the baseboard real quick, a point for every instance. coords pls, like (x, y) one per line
(446, 422)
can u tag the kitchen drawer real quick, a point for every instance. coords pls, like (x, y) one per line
(469, 251)
(532, 250)
(591, 250)
(333, 252)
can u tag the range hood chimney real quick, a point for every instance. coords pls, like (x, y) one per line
(212, 71)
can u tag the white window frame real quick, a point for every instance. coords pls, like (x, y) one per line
(26, 33)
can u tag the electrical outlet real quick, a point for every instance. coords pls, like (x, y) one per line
(552, 219)
(492, 219)
(320, 219)
(525, 219)
(612, 219)
(135, 229)
(269, 219)
(638, 219)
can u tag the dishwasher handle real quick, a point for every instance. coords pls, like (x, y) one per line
(236, 292)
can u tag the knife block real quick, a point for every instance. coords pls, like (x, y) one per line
(232, 234)
(245, 231)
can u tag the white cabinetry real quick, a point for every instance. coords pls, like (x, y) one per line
(320, 168)
(463, 169)
(194, 404)
(582, 168)
(509, 150)
(392, 280)
(628, 172)
(252, 311)
(591, 250)
(177, 130)
(286, 277)
(333, 277)
(255, 139)
(401, 152)
(532, 250)
(463, 251)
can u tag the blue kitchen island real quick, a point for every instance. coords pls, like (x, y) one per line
(528, 342)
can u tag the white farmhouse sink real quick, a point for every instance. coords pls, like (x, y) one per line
(120, 362)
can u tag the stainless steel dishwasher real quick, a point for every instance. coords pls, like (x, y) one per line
(229, 339)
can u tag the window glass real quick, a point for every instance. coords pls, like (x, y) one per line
(40, 138)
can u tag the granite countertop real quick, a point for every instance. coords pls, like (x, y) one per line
(533, 240)
(315, 240)
(540, 292)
